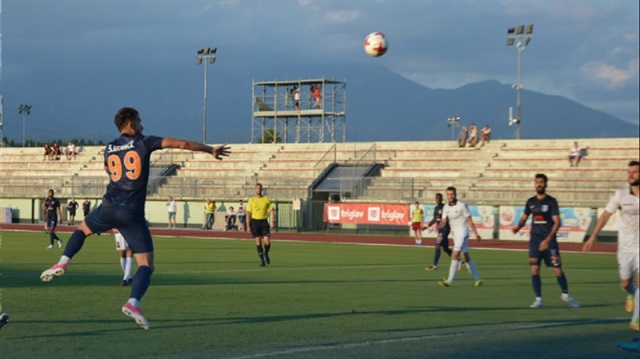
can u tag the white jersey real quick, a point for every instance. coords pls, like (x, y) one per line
(173, 206)
(457, 215)
(121, 243)
(628, 204)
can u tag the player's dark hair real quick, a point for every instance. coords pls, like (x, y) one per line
(439, 195)
(259, 184)
(634, 163)
(543, 176)
(453, 189)
(125, 115)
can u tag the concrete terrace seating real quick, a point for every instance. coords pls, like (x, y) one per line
(432, 166)
(510, 175)
(501, 172)
(24, 172)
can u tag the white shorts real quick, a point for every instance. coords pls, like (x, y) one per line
(121, 243)
(628, 264)
(460, 242)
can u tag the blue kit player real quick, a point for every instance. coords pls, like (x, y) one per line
(52, 213)
(543, 245)
(442, 242)
(127, 162)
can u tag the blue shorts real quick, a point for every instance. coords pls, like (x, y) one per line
(551, 256)
(52, 222)
(443, 237)
(132, 225)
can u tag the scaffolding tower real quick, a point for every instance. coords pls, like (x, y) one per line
(308, 116)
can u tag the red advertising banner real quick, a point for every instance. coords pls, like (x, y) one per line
(367, 213)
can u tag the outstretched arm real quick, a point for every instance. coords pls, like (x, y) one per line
(216, 151)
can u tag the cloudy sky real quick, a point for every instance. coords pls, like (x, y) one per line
(585, 50)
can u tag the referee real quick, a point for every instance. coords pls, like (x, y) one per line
(258, 210)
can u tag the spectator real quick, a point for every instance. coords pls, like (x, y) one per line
(71, 207)
(230, 219)
(242, 215)
(317, 97)
(295, 94)
(473, 135)
(209, 211)
(462, 137)
(86, 207)
(173, 208)
(575, 155)
(71, 151)
(56, 151)
(486, 135)
(47, 151)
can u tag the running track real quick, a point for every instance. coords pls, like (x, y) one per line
(325, 237)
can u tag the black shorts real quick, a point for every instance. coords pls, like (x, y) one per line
(550, 257)
(260, 228)
(72, 213)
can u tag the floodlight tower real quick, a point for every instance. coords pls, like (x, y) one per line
(520, 36)
(207, 54)
(453, 122)
(24, 110)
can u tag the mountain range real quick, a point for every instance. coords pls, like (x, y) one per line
(381, 105)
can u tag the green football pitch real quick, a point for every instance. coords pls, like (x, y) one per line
(209, 298)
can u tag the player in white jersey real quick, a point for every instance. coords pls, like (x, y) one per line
(456, 213)
(126, 257)
(625, 200)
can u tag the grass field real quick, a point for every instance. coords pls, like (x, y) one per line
(210, 299)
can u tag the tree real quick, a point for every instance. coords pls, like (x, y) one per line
(268, 137)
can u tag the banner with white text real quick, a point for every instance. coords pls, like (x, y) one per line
(363, 213)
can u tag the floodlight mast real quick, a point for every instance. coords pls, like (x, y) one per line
(520, 36)
(24, 110)
(208, 54)
(453, 122)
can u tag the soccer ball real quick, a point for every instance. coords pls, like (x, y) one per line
(375, 44)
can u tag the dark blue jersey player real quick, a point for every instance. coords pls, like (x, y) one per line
(52, 213)
(543, 244)
(442, 242)
(127, 162)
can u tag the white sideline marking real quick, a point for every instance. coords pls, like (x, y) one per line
(315, 348)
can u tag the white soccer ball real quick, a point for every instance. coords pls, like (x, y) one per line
(375, 44)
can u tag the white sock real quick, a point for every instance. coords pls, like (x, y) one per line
(474, 271)
(453, 269)
(64, 260)
(128, 264)
(635, 306)
(122, 263)
(134, 302)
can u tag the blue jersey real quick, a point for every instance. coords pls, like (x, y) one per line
(127, 160)
(542, 211)
(51, 206)
(437, 214)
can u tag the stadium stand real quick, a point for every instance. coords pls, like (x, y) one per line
(499, 173)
